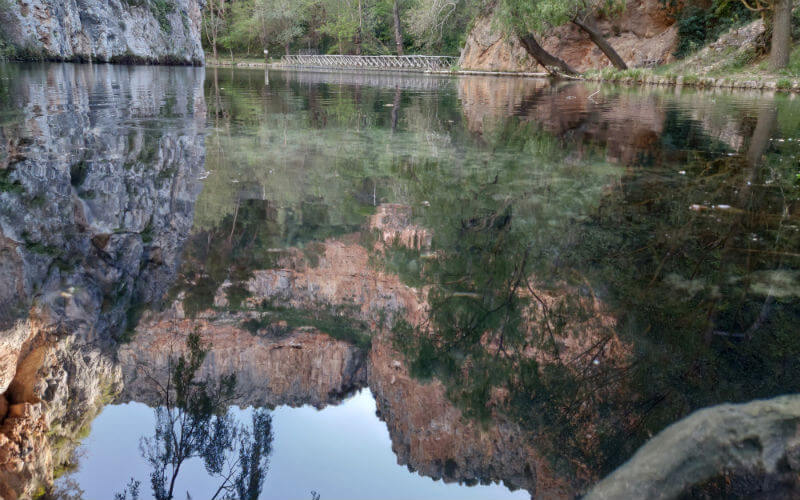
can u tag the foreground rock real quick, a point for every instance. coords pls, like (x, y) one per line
(753, 449)
(126, 31)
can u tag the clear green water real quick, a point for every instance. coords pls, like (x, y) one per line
(602, 260)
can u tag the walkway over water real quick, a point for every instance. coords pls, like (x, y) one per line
(427, 63)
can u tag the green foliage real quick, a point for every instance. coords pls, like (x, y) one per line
(161, 9)
(535, 16)
(793, 68)
(236, 295)
(699, 25)
(337, 321)
(331, 26)
(8, 185)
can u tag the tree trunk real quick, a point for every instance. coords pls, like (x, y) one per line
(601, 43)
(358, 31)
(781, 35)
(211, 31)
(544, 58)
(286, 47)
(398, 35)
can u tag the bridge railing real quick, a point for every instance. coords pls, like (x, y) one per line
(428, 63)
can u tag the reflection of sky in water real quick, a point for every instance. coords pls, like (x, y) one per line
(342, 452)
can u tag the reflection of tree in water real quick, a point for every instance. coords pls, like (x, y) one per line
(193, 421)
(699, 268)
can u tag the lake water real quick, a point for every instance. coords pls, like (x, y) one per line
(436, 287)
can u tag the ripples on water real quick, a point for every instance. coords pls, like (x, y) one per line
(576, 266)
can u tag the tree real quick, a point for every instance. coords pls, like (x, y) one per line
(281, 21)
(398, 35)
(438, 26)
(584, 20)
(343, 21)
(538, 15)
(193, 421)
(214, 23)
(780, 13)
(523, 19)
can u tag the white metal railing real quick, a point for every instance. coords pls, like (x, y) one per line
(428, 63)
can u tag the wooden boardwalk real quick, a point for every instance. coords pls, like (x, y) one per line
(397, 63)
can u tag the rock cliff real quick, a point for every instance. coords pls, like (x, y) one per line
(95, 203)
(155, 31)
(643, 35)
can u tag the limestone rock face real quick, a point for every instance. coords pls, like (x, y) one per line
(758, 441)
(166, 31)
(644, 34)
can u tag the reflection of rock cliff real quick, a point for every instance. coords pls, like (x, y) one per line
(643, 35)
(431, 436)
(295, 368)
(115, 30)
(568, 110)
(281, 363)
(628, 126)
(95, 205)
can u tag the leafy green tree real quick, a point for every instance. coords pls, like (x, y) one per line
(439, 26)
(214, 23)
(346, 22)
(280, 22)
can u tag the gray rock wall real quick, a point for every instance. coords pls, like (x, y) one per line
(159, 31)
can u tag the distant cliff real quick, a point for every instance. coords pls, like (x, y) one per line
(125, 31)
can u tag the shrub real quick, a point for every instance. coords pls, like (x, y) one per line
(697, 26)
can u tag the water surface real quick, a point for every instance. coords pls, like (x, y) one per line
(531, 277)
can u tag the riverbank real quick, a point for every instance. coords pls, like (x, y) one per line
(735, 82)
(733, 61)
(251, 63)
(635, 76)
